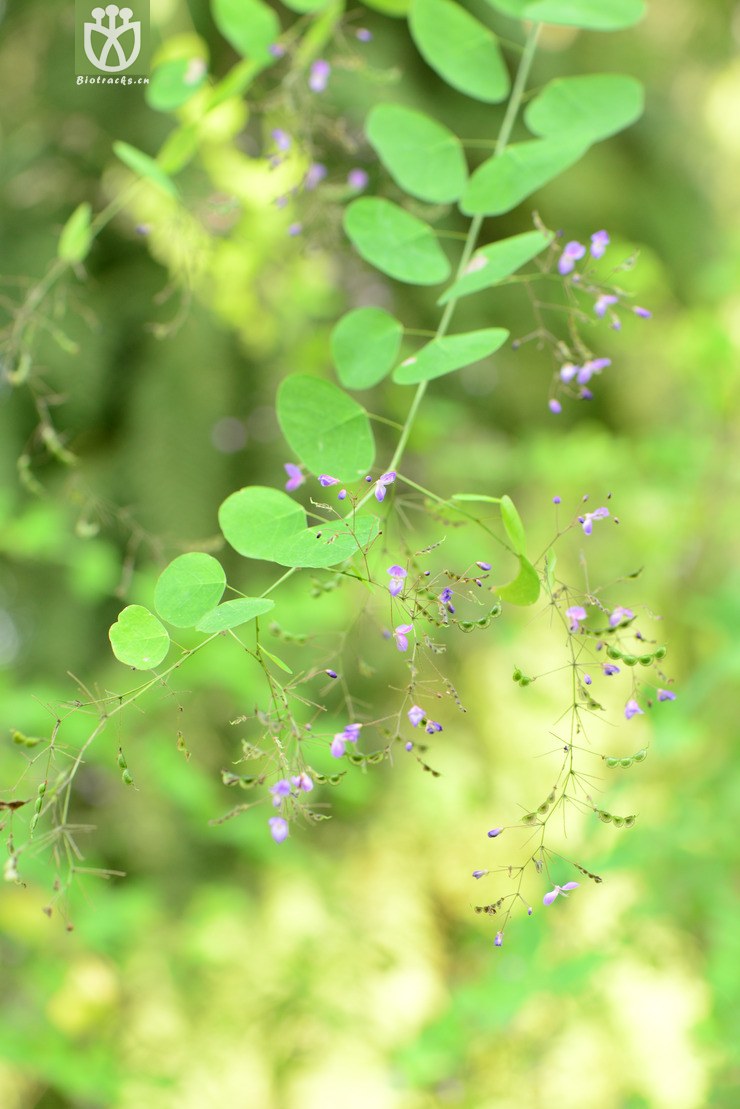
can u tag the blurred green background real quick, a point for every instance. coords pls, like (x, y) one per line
(346, 968)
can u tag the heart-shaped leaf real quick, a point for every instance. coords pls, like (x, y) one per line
(189, 588)
(364, 346)
(328, 430)
(421, 155)
(494, 262)
(442, 356)
(513, 525)
(525, 588)
(395, 242)
(138, 639)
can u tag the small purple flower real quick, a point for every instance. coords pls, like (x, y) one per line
(588, 369)
(416, 715)
(342, 494)
(479, 873)
(295, 229)
(331, 673)
(587, 679)
(530, 910)
(350, 735)
(632, 709)
(357, 179)
(381, 484)
(397, 574)
(605, 301)
(599, 242)
(618, 615)
(276, 49)
(576, 614)
(363, 34)
(555, 406)
(587, 520)
(319, 76)
(278, 828)
(557, 500)
(303, 782)
(644, 313)
(499, 940)
(408, 746)
(609, 669)
(432, 726)
(484, 565)
(567, 372)
(326, 480)
(314, 176)
(559, 891)
(281, 138)
(280, 791)
(666, 695)
(445, 595)
(400, 634)
(495, 832)
(572, 253)
(295, 476)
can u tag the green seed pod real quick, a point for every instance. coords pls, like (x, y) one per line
(618, 822)
(24, 740)
(525, 681)
(530, 818)
(38, 805)
(645, 660)
(34, 822)
(551, 796)
(660, 653)
(629, 821)
(466, 625)
(625, 763)
(496, 610)
(543, 808)
(613, 652)
(127, 778)
(122, 759)
(641, 755)
(517, 675)
(604, 817)
(484, 622)
(629, 660)
(42, 789)
(611, 762)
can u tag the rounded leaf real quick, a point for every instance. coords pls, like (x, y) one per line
(364, 346)
(588, 108)
(232, 614)
(328, 544)
(449, 353)
(250, 26)
(463, 51)
(421, 155)
(189, 588)
(395, 8)
(173, 83)
(138, 639)
(525, 588)
(502, 182)
(257, 519)
(395, 242)
(329, 431)
(494, 262)
(76, 236)
(513, 525)
(592, 15)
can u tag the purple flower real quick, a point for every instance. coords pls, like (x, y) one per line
(588, 369)
(587, 679)
(408, 746)
(326, 480)
(295, 476)
(295, 229)
(499, 940)
(645, 313)
(599, 242)
(303, 782)
(572, 253)
(316, 173)
(397, 574)
(666, 695)
(319, 76)
(559, 891)
(363, 34)
(357, 179)
(495, 832)
(432, 726)
(280, 791)
(605, 301)
(587, 520)
(400, 634)
(383, 481)
(568, 372)
(575, 614)
(555, 406)
(445, 595)
(282, 139)
(609, 669)
(632, 709)
(484, 565)
(332, 673)
(618, 615)
(479, 873)
(277, 50)
(278, 828)
(557, 500)
(350, 735)
(416, 715)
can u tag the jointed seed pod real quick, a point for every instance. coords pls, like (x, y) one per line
(127, 778)
(613, 652)
(645, 660)
(629, 660)
(660, 653)
(641, 755)
(122, 759)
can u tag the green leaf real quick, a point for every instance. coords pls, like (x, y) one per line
(250, 26)
(328, 430)
(274, 658)
(494, 262)
(395, 8)
(502, 182)
(144, 166)
(268, 524)
(481, 497)
(303, 6)
(513, 525)
(364, 346)
(592, 15)
(189, 588)
(452, 352)
(173, 83)
(231, 614)
(525, 588)
(588, 108)
(460, 49)
(514, 8)
(395, 242)
(76, 236)
(138, 639)
(256, 520)
(421, 155)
